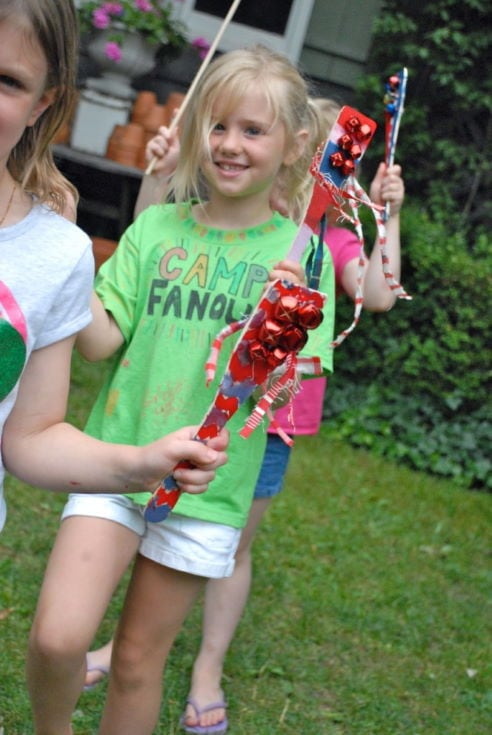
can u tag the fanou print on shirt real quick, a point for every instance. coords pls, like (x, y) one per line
(13, 336)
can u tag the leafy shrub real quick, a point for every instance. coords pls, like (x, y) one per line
(414, 384)
(412, 430)
(445, 143)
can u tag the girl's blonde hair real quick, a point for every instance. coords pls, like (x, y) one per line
(328, 110)
(53, 25)
(229, 77)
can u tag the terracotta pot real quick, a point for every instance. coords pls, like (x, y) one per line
(174, 102)
(156, 116)
(133, 133)
(102, 249)
(145, 101)
(117, 134)
(125, 144)
(63, 134)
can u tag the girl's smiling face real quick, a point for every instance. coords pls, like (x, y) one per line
(247, 148)
(23, 75)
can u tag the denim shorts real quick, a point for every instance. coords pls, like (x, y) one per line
(274, 467)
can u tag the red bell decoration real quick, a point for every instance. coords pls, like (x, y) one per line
(285, 309)
(269, 331)
(355, 151)
(258, 352)
(293, 338)
(309, 316)
(345, 142)
(337, 159)
(276, 357)
(348, 167)
(352, 124)
(363, 132)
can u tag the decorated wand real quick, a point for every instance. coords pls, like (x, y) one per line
(394, 101)
(277, 330)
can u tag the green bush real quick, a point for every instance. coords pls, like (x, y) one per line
(413, 384)
(445, 142)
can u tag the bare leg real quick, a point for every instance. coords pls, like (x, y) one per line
(157, 602)
(87, 561)
(225, 600)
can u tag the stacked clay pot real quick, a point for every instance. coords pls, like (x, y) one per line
(127, 142)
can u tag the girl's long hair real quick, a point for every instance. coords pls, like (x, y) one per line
(53, 25)
(229, 77)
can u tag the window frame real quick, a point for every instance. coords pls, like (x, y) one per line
(238, 35)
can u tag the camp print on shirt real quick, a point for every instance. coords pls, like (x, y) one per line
(13, 337)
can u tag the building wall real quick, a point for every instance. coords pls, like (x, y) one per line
(337, 43)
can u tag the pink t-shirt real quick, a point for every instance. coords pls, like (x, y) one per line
(303, 414)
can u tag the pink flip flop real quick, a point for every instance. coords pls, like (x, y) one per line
(217, 729)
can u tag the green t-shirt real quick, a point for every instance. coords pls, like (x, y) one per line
(172, 285)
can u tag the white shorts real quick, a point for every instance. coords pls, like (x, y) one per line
(189, 545)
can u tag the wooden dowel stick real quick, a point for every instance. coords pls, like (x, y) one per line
(198, 75)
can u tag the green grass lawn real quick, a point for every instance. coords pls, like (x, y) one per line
(370, 612)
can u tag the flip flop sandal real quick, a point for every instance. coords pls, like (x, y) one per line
(103, 670)
(220, 728)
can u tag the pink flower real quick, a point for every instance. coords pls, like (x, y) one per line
(113, 51)
(113, 8)
(202, 46)
(144, 6)
(100, 19)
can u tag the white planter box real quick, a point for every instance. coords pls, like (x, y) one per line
(95, 118)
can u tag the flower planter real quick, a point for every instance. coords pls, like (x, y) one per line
(137, 58)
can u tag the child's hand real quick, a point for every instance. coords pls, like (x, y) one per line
(164, 148)
(388, 186)
(288, 270)
(161, 457)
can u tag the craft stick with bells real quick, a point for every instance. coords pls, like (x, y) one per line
(206, 61)
(394, 101)
(355, 196)
(277, 330)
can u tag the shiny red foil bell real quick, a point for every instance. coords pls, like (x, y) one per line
(257, 351)
(337, 159)
(285, 309)
(345, 141)
(348, 167)
(269, 331)
(293, 338)
(352, 124)
(363, 132)
(276, 357)
(355, 150)
(309, 316)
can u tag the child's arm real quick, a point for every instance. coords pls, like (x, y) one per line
(102, 337)
(387, 186)
(40, 448)
(164, 148)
